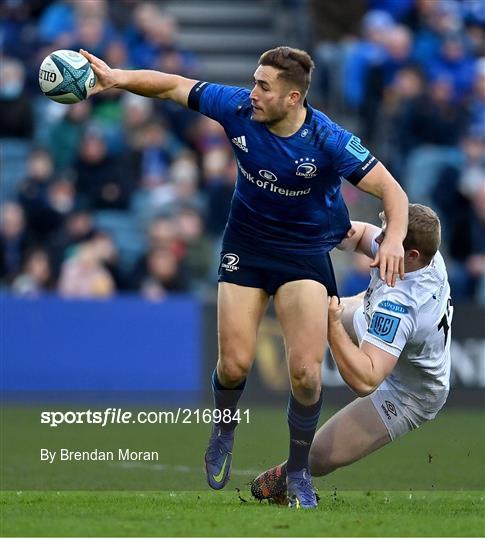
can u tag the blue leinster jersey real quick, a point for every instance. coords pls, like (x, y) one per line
(287, 195)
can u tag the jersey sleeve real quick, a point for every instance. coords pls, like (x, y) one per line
(216, 100)
(350, 159)
(392, 325)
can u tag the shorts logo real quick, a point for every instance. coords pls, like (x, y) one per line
(268, 175)
(306, 167)
(229, 262)
(393, 306)
(391, 407)
(356, 149)
(385, 412)
(384, 326)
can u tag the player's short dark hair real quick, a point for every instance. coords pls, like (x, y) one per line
(294, 66)
(424, 231)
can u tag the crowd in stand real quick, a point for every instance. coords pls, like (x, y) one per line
(411, 74)
(125, 194)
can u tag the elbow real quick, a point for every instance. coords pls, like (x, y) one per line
(363, 389)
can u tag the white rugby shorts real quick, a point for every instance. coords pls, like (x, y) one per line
(388, 401)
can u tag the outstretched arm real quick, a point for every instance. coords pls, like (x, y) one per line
(390, 257)
(143, 82)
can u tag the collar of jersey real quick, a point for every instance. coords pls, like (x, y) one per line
(309, 113)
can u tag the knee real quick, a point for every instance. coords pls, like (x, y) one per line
(232, 370)
(305, 374)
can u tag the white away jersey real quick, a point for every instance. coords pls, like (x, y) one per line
(412, 321)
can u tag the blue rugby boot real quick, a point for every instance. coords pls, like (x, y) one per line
(301, 493)
(218, 457)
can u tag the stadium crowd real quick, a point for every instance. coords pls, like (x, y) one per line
(121, 194)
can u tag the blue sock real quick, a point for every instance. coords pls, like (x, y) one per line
(226, 398)
(302, 421)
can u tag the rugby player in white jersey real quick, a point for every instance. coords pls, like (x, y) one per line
(391, 346)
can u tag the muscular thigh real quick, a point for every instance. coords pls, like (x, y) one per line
(301, 307)
(349, 435)
(240, 310)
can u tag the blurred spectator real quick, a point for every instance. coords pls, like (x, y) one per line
(475, 25)
(365, 54)
(220, 173)
(158, 148)
(61, 195)
(209, 135)
(16, 120)
(431, 21)
(476, 106)
(102, 182)
(108, 255)
(163, 275)
(336, 21)
(183, 174)
(65, 136)
(400, 103)
(17, 27)
(78, 228)
(398, 10)
(198, 251)
(460, 197)
(93, 33)
(455, 65)
(436, 118)
(16, 126)
(169, 56)
(13, 241)
(474, 11)
(436, 123)
(41, 218)
(37, 277)
(121, 13)
(57, 23)
(84, 276)
(397, 51)
(161, 233)
(152, 42)
(137, 111)
(357, 278)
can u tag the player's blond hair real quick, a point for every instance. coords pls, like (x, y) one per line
(424, 231)
(294, 66)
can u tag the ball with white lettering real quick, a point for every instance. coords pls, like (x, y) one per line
(66, 77)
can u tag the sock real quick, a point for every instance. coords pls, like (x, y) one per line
(302, 421)
(226, 398)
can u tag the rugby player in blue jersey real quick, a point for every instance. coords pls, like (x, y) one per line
(287, 213)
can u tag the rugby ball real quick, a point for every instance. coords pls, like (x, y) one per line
(66, 77)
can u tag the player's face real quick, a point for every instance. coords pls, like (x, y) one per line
(270, 97)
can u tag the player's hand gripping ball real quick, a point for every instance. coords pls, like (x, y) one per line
(66, 77)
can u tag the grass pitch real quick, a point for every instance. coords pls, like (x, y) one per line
(224, 514)
(429, 483)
